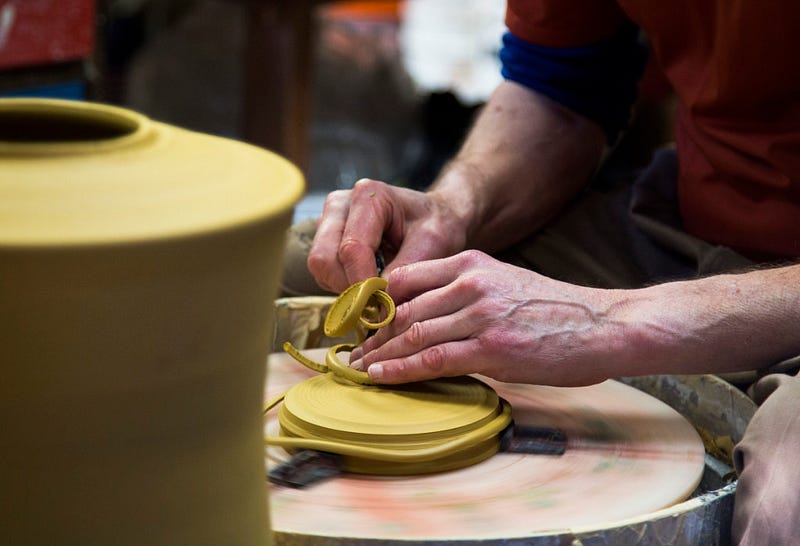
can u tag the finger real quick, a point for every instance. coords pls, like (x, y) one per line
(427, 306)
(444, 360)
(369, 216)
(355, 358)
(323, 258)
(407, 282)
(419, 337)
(430, 242)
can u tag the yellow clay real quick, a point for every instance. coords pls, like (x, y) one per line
(139, 263)
(417, 428)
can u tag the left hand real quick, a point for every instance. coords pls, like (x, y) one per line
(470, 313)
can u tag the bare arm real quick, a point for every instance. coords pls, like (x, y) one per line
(525, 157)
(472, 314)
(724, 323)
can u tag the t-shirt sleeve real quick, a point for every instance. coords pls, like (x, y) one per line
(564, 23)
(594, 74)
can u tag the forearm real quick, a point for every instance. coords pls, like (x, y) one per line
(524, 159)
(724, 323)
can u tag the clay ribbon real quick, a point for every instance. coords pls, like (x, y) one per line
(358, 307)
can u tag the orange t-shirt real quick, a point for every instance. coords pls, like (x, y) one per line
(735, 66)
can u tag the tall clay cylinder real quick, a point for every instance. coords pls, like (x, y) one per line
(138, 265)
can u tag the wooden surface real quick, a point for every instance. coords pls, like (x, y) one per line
(628, 454)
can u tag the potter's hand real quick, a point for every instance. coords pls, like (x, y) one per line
(472, 314)
(406, 225)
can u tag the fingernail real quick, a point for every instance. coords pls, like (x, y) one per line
(375, 372)
(357, 364)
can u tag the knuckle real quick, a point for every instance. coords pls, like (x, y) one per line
(315, 261)
(402, 316)
(321, 270)
(318, 265)
(350, 250)
(397, 277)
(434, 359)
(336, 197)
(399, 371)
(471, 257)
(475, 284)
(365, 186)
(416, 334)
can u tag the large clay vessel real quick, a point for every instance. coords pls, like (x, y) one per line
(138, 265)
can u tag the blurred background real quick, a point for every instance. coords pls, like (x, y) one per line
(382, 89)
(346, 90)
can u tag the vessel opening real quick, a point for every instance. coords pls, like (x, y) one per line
(63, 124)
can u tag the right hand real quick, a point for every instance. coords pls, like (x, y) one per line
(406, 225)
(471, 313)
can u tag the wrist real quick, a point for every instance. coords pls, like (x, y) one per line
(457, 190)
(663, 329)
(724, 323)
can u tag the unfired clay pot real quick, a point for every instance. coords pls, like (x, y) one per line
(138, 266)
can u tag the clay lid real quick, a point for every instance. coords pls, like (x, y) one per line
(416, 428)
(75, 173)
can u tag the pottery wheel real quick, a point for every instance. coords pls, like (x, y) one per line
(627, 454)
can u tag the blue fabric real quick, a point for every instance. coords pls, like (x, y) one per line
(597, 81)
(73, 90)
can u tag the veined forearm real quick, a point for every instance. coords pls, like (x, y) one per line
(724, 323)
(524, 159)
